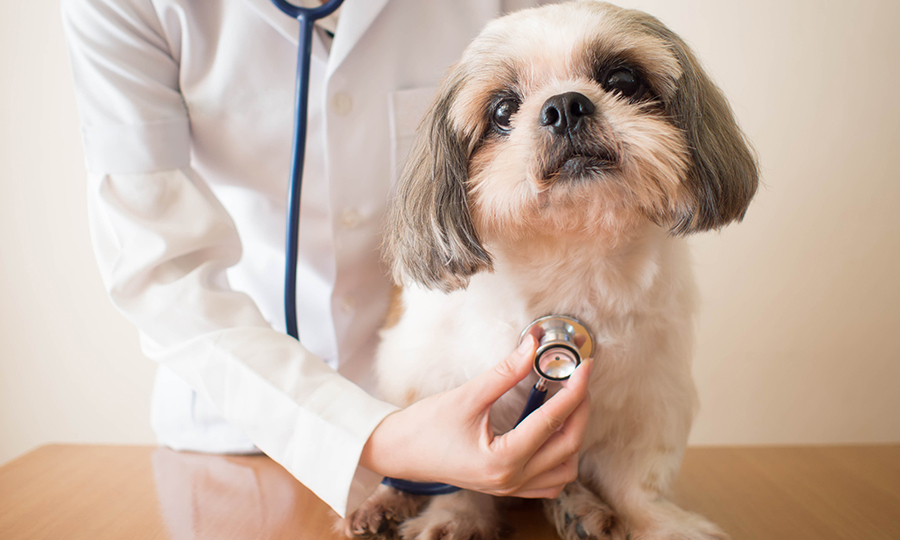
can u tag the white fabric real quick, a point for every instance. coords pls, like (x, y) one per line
(186, 109)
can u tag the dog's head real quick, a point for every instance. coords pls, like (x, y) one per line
(567, 120)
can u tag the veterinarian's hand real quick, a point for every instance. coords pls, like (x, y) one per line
(448, 437)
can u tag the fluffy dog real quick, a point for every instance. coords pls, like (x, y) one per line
(559, 168)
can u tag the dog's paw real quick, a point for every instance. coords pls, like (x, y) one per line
(381, 514)
(458, 516)
(578, 514)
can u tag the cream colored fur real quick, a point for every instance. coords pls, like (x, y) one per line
(637, 299)
(596, 246)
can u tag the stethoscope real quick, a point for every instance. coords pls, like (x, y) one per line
(562, 341)
(307, 17)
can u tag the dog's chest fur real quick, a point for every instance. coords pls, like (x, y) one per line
(636, 299)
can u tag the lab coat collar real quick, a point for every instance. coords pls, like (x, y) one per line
(356, 17)
(285, 25)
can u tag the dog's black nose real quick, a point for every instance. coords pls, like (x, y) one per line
(564, 113)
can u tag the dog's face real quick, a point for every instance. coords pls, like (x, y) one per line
(568, 120)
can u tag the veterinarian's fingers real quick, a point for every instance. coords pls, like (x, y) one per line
(526, 438)
(562, 445)
(490, 385)
(557, 477)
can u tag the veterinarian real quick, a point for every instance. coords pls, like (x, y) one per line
(186, 119)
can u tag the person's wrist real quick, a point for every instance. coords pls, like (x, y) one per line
(382, 452)
(371, 451)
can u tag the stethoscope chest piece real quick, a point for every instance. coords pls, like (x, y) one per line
(562, 343)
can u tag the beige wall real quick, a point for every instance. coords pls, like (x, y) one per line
(799, 339)
(70, 366)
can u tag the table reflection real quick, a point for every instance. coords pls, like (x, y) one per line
(220, 497)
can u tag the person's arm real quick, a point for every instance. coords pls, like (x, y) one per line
(536, 459)
(163, 243)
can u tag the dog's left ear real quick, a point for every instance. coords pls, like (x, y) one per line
(431, 237)
(723, 173)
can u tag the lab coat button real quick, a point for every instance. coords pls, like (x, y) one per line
(350, 218)
(342, 103)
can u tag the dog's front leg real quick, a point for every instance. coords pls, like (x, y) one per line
(634, 485)
(632, 454)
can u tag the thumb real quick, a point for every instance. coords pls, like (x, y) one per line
(490, 385)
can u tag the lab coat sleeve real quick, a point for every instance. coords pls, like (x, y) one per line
(163, 243)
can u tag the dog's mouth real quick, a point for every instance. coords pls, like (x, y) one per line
(577, 164)
(581, 165)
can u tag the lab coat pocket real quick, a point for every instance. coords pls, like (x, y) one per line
(406, 108)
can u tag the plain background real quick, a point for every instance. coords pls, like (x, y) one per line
(799, 335)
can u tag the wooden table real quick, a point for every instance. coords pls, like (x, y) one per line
(105, 492)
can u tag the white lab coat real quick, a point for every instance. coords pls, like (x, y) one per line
(186, 109)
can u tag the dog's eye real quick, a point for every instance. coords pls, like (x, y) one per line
(503, 112)
(624, 81)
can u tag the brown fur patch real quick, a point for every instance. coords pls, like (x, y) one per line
(411, 397)
(395, 307)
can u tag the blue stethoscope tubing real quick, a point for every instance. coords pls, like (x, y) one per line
(307, 18)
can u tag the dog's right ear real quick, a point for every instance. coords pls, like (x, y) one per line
(430, 237)
(724, 174)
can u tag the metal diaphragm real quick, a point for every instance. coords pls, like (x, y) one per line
(563, 343)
